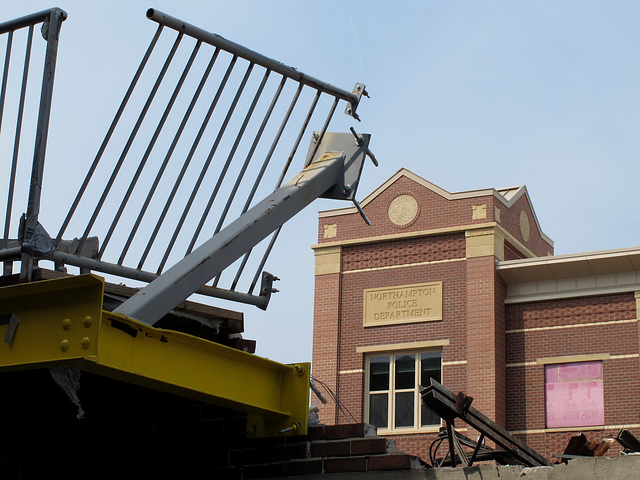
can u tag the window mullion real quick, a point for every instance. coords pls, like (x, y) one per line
(392, 392)
(417, 417)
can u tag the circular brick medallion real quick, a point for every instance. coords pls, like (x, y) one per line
(403, 210)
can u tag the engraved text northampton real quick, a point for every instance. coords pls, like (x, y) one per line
(402, 303)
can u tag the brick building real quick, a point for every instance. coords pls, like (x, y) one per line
(463, 287)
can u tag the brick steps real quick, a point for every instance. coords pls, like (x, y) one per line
(326, 449)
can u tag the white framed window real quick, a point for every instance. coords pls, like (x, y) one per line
(392, 389)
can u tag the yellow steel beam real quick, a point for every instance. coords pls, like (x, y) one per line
(61, 322)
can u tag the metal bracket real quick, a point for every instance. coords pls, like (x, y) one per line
(355, 148)
(266, 288)
(12, 321)
(35, 241)
(359, 90)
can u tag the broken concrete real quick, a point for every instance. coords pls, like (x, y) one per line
(624, 467)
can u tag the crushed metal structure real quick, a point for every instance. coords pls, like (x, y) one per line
(450, 406)
(204, 129)
(513, 451)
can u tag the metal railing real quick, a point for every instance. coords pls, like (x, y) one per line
(189, 149)
(16, 79)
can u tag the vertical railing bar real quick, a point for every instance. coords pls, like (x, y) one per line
(299, 139)
(264, 260)
(207, 162)
(147, 153)
(282, 176)
(8, 266)
(245, 166)
(247, 160)
(16, 141)
(169, 154)
(125, 150)
(186, 163)
(323, 131)
(107, 137)
(274, 144)
(252, 150)
(227, 164)
(241, 268)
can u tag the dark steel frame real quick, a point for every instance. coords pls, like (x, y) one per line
(449, 406)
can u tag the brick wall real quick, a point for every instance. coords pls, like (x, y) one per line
(403, 252)
(326, 338)
(605, 324)
(511, 252)
(485, 345)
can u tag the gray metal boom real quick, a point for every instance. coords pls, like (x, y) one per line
(321, 177)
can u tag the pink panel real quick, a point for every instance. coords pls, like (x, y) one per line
(575, 394)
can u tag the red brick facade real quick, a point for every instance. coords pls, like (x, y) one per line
(494, 336)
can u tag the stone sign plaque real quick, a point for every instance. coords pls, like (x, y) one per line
(403, 304)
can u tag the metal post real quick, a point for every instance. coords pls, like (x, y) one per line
(56, 18)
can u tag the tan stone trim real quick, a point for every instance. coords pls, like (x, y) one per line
(328, 260)
(356, 370)
(454, 363)
(485, 242)
(413, 431)
(622, 357)
(535, 363)
(403, 235)
(394, 347)
(573, 358)
(521, 364)
(574, 429)
(489, 240)
(575, 325)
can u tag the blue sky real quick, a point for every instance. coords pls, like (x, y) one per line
(466, 94)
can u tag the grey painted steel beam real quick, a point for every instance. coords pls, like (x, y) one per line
(175, 285)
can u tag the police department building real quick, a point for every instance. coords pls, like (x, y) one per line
(464, 288)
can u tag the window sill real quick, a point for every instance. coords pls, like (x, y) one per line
(414, 431)
(573, 429)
